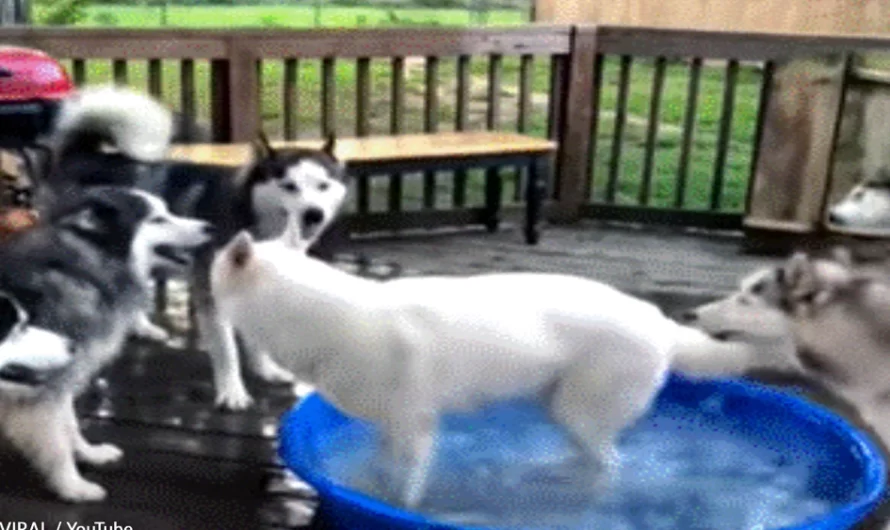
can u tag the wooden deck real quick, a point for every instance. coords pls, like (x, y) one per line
(188, 466)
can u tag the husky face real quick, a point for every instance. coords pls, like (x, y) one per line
(166, 242)
(866, 206)
(135, 226)
(753, 310)
(768, 300)
(29, 355)
(302, 182)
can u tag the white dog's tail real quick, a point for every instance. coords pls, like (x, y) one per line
(698, 354)
(134, 123)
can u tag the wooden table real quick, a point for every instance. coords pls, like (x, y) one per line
(375, 155)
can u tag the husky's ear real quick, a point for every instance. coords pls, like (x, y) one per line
(89, 218)
(330, 145)
(240, 250)
(262, 148)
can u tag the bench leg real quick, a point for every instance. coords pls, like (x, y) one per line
(493, 188)
(536, 188)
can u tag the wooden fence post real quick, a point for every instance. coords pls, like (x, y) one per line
(235, 93)
(574, 139)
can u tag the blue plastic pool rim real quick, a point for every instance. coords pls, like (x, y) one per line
(874, 473)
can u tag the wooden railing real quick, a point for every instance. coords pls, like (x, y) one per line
(680, 147)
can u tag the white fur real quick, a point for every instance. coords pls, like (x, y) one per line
(141, 126)
(401, 352)
(305, 186)
(863, 207)
(32, 347)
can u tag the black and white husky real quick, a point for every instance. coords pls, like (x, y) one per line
(72, 288)
(114, 136)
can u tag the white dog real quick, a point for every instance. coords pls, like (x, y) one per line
(401, 352)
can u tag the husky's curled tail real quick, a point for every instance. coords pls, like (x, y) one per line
(135, 124)
(106, 131)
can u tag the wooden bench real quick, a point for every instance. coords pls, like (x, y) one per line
(381, 155)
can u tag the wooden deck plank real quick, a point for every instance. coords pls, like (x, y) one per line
(378, 149)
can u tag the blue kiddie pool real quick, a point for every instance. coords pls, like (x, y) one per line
(710, 455)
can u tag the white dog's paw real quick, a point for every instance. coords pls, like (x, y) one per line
(233, 397)
(100, 454)
(272, 373)
(301, 389)
(78, 489)
(145, 329)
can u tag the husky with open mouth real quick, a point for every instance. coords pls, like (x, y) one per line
(115, 136)
(71, 289)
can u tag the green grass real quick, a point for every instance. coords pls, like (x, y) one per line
(671, 115)
(285, 16)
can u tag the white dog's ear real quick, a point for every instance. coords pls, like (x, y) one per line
(240, 251)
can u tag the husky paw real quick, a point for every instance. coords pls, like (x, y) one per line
(78, 489)
(100, 454)
(150, 331)
(234, 398)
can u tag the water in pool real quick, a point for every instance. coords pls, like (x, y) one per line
(508, 467)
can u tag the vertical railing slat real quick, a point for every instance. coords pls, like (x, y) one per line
(652, 130)
(493, 182)
(766, 84)
(523, 112)
(187, 88)
(328, 95)
(597, 87)
(725, 133)
(461, 117)
(686, 145)
(430, 123)
(618, 133)
(396, 121)
(291, 98)
(362, 96)
(79, 71)
(119, 71)
(155, 78)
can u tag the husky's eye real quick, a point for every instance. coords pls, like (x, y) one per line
(323, 186)
(758, 288)
(158, 220)
(289, 187)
